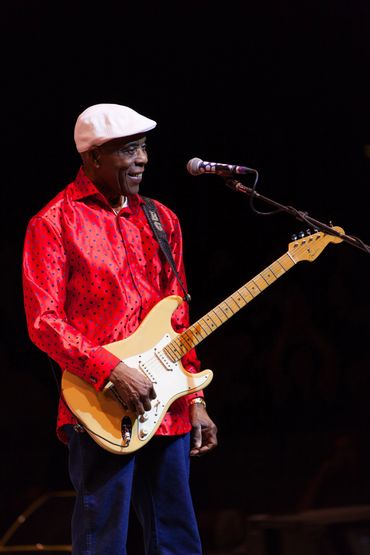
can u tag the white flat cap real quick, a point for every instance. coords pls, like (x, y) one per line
(103, 122)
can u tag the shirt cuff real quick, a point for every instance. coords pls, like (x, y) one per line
(99, 367)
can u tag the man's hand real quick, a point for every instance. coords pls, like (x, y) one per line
(133, 388)
(204, 431)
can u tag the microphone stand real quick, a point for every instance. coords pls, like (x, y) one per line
(299, 215)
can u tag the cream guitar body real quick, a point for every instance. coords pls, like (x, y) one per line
(102, 414)
(156, 350)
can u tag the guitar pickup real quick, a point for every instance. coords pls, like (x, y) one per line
(164, 359)
(146, 369)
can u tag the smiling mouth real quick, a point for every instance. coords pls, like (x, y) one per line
(135, 175)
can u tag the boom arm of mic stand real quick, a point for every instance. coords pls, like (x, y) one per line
(302, 216)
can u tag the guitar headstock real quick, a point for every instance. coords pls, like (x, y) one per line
(310, 246)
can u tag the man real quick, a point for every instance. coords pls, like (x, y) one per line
(92, 271)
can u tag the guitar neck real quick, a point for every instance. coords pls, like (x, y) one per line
(203, 327)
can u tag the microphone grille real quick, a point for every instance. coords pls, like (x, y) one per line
(193, 166)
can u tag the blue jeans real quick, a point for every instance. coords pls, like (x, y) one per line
(155, 479)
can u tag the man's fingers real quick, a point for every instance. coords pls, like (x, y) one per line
(147, 404)
(196, 437)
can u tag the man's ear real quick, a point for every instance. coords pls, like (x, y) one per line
(95, 157)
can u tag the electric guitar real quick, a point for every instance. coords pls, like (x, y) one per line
(156, 349)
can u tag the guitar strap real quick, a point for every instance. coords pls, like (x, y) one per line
(154, 220)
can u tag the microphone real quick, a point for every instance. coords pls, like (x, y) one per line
(196, 166)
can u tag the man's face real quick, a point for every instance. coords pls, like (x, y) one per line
(119, 165)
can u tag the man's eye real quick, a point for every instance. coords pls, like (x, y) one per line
(132, 150)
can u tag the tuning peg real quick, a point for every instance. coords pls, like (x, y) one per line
(308, 231)
(294, 237)
(301, 234)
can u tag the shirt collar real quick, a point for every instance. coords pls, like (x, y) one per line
(83, 187)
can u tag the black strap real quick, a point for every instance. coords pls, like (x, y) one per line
(151, 213)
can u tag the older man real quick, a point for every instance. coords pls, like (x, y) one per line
(93, 270)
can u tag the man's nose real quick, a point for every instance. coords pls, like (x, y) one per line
(141, 154)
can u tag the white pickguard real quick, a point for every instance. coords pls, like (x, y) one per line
(169, 381)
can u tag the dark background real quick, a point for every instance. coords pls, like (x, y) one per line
(281, 87)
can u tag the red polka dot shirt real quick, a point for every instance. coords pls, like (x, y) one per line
(90, 277)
